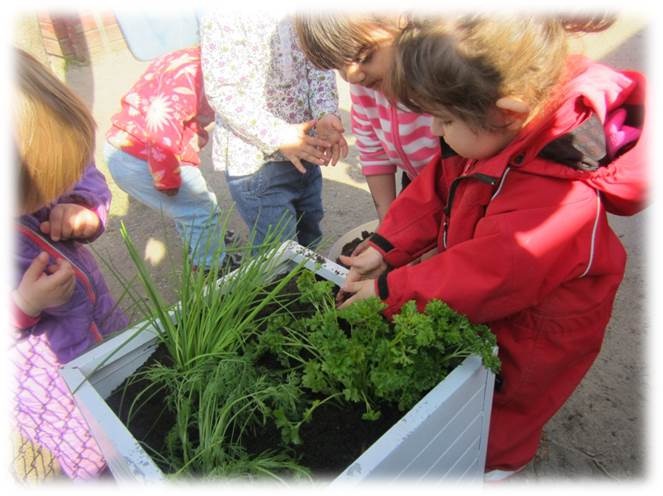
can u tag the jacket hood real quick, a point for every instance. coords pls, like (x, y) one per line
(596, 134)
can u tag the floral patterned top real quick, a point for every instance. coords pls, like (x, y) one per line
(163, 117)
(259, 82)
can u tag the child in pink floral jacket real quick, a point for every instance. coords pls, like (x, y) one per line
(153, 147)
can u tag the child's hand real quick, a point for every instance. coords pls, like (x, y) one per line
(361, 247)
(300, 146)
(366, 266)
(70, 220)
(330, 128)
(359, 290)
(44, 286)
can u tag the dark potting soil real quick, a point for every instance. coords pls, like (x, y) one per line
(151, 420)
(350, 246)
(331, 441)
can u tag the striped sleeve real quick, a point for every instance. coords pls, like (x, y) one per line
(372, 155)
(390, 136)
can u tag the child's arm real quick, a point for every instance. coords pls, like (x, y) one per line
(42, 286)
(172, 112)
(376, 165)
(234, 85)
(517, 253)
(383, 191)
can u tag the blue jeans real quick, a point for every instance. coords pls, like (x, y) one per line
(194, 208)
(279, 196)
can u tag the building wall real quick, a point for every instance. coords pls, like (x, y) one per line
(79, 36)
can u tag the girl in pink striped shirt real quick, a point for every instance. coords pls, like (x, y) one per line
(389, 136)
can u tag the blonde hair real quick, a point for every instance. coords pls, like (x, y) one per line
(54, 134)
(466, 64)
(332, 40)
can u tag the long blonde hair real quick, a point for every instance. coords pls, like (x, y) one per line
(466, 64)
(54, 134)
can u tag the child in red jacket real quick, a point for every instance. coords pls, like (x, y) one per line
(545, 146)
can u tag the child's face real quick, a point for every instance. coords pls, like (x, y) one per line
(467, 141)
(371, 64)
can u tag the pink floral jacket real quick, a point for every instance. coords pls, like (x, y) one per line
(163, 117)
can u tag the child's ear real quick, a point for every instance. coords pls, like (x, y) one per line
(514, 109)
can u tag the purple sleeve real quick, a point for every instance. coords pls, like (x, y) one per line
(92, 192)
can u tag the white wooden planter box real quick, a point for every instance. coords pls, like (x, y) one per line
(443, 437)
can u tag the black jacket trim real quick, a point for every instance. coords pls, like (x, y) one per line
(382, 243)
(383, 288)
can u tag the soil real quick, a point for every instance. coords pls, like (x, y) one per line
(331, 441)
(350, 246)
(153, 419)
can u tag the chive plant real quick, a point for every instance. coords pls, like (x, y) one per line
(212, 385)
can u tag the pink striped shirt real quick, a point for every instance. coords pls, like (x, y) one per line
(382, 150)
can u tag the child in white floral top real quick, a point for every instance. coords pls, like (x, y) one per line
(269, 100)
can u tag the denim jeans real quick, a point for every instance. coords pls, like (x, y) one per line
(278, 196)
(194, 208)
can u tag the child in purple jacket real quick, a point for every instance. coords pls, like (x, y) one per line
(61, 304)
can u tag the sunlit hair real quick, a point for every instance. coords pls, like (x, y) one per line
(54, 134)
(333, 40)
(465, 64)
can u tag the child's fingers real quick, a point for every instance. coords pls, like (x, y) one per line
(37, 267)
(338, 125)
(360, 248)
(62, 277)
(313, 154)
(343, 147)
(351, 290)
(315, 142)
(346, 260)
(56, 219)
(342, 297)
(298, 164)
(68, 286)
(335, 152)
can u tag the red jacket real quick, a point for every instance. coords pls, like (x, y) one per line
(524, 245)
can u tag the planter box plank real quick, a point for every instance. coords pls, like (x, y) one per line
(449, 422)
(124, 455)
(443, 437)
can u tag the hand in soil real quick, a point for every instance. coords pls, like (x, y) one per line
(354, 247)
(363, 269)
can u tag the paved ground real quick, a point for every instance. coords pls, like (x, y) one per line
(599, 435)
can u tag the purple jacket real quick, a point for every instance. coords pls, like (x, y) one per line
(91, 312)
